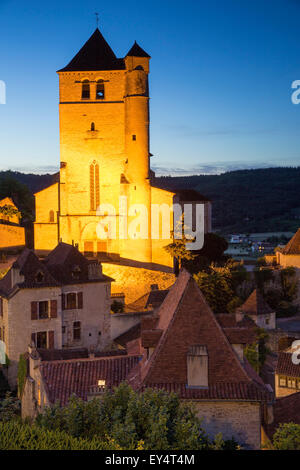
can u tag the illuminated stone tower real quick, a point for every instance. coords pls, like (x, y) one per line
(104, 153)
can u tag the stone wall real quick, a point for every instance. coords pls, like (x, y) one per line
(11, 236)
(240, 420)
(135, 282)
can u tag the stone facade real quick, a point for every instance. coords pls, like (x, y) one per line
(12, 235)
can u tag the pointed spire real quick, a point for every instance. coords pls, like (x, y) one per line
(96, 54)
(256, 304)
(293, 246)
(137, 51)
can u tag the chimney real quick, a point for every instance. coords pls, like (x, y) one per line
(197, 366)
(94, 270)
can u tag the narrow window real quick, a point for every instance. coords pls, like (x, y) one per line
(92, 126)
(39, 277)
(85, 91)
(100, 90)
(134, 137)
(71, 301)
(51, 216)
(76, 330)
(1, 307)
(41, 339)
(43, 309)
(94, 186)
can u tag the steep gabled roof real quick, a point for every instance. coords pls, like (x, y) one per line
(185, 319)
(293, 246)
(95, 54)
(29, 266)
(137, 51)
(256, 304)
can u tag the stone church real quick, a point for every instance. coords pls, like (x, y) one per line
(104, 154)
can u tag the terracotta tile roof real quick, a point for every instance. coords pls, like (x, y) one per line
(79, 353)
(148, 301)
(240, 335)
(130, 335)
(186, 320)
(285, 365)
(293, 246)
(228, 320)
(285, 410)
(95, 54)
(256, 304)
(77, 376)
(150, 338)
(137, 51)
(219, 391)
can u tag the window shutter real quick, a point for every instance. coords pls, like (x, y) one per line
(63, 302)
(33, 338)
(34, 311)
(50, 339)
(53, 309)
(80, 300)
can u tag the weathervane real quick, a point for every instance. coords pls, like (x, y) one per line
(97, 19)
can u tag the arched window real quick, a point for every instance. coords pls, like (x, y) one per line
(85, 91)
(92, 126)
(51, 216)
(100, 90)
(94, 186)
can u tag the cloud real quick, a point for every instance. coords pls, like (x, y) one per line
(214, 168)
(37, 170)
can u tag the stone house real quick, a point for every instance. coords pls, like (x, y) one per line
(182, 348)
(12, 235)
(258, 310)
(60, 302)
(287, 375)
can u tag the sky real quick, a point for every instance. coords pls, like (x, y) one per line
(220, 81)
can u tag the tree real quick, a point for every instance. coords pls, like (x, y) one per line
(287, 437)
(154, 419)
(177, 249)
(20, 194)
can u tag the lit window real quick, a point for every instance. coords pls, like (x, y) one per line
(85, 91)
(282, 381)
(100, 90)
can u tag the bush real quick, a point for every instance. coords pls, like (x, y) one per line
(287, 437)
(18, 436)
(156, 418)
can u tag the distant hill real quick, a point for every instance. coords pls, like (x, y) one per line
(263, 200)
(246, 201)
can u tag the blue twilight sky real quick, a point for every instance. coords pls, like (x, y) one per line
(221, 75)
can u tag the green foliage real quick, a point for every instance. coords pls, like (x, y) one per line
(9, 408)
(18, 436)
(22, 373)
(256, 353)
(282, 298)
(9, 210)
(219, 285)
(19, 193)
(262, 276)
(287, 437)
(4, 386)
(152, 419)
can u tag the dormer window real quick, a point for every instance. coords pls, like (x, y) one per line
(85, 91)
(100, 90)
(76, 272)
(39, 277)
